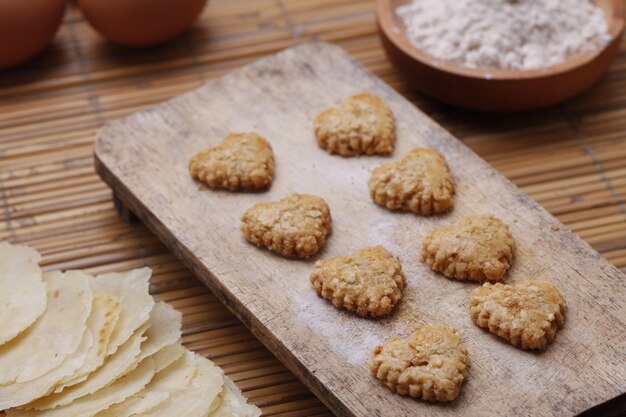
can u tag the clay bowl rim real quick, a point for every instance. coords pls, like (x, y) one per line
(394, 31)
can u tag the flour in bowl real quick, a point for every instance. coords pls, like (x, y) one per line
(505, 34)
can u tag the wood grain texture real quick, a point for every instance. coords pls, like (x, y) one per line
(144, 159)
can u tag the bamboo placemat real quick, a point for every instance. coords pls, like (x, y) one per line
(571, 158)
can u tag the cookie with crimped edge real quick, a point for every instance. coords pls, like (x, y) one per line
(369, 282)
(363, 124)
(476, 248)
(243, 162)
(295, 226)
(527, 314)
(420, 182)
(431, 364)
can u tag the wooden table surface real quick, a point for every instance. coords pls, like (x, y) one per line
(571, 158)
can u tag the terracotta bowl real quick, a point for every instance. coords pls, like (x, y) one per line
(497, 90)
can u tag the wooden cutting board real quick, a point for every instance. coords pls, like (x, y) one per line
(144, 159)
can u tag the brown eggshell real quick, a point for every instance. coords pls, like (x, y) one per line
(140, 22)
(26, 27)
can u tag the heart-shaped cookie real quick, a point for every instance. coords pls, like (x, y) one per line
(363, 124)
(369, 282)
(420, 182)
(431, 364)
(296, 225)
(243, 162)
(477, 248)
(528, 314)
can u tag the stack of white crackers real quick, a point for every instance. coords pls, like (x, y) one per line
(72, 344)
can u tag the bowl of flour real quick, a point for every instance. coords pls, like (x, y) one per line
(501, 55)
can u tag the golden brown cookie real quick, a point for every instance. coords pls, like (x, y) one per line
(296, 225)
(528, 314)
(431, 364)
(420, 182)
(363, 124)
(369, 282)
(243, 162)
(477, 248)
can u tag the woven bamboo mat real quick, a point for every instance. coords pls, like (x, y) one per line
(571, 159)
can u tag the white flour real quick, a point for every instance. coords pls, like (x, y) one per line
(504, 34)
(354, 337)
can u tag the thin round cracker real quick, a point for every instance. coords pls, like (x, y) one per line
(55, 335)
(113, 368)
(172, 378)
(233, 403)
(169, 354)
(161, 330)
(104, 310)
(157, 344)
(162, 338)
(196, 399)
(101, 322)
(132, 288)
(165, 324)
(90, 405)
(23, 295)
(18, 394)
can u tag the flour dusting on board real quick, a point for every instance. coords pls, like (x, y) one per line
(505, 34)
(381, 232)
(352, 337)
